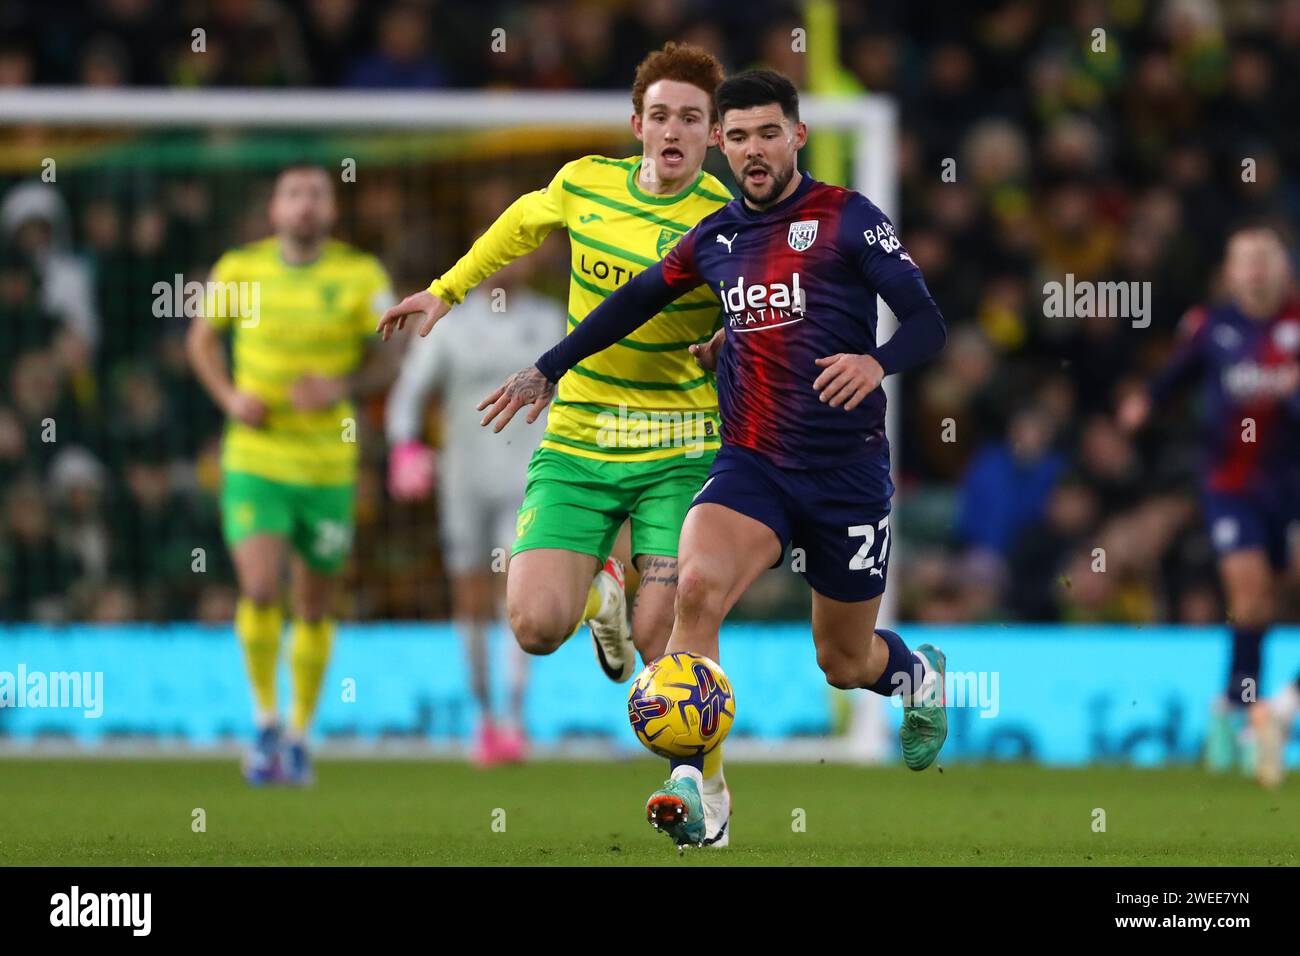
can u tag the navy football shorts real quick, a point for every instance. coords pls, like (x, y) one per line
(838, 517)
(1243, 521)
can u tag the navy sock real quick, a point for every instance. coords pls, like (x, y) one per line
(696, 762)
(904, 671)
(1245, 666)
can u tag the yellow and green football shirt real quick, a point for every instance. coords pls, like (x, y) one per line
(644, 398)
(287, 321)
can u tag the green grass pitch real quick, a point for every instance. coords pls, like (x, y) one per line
(119, 812)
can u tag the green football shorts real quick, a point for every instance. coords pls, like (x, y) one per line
(316, 520)
(579, 504)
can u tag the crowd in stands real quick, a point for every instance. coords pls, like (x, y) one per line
(1112, 142)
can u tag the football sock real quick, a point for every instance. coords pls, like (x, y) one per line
(308, 655)
(903, 672)
(712, 766)
(518, 684)
(1287, 703)
(693, 763)
(475, 634)
(1246, 642)
(258, 628)
(595, 601)
(689, 770)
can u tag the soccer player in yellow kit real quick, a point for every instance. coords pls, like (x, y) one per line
(299, 308)
(633, 431)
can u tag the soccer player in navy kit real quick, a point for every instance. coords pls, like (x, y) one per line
(797, 265)
(1246, 351)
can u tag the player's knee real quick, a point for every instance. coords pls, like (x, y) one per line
(699, 593)
(1250, 610)
(262, 592)
(537, 632)
(651, 630)
(840, 670)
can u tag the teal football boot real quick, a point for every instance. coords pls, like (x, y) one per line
(925, 721)
(1223, 738)
(678, 810)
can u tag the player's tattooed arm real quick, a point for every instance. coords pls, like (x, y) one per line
(526, 387)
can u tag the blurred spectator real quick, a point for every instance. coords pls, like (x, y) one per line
(403, 58)
(1042, 549)
(36, 571)
(1007, 485)
(34, 219)
(1118, 165)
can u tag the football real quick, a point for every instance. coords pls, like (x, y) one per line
(681, 705)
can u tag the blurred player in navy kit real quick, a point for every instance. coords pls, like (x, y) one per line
(1245, 354)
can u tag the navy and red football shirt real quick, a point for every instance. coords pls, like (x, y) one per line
(1249, 374)
(797, 282)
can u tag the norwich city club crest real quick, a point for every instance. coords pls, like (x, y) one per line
(667, 239)
(524, 522)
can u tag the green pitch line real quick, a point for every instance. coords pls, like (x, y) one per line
(75, 812)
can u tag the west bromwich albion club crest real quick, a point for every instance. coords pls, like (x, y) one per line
(802, 234)
(667, 239)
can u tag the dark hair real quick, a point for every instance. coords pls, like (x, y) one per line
(757, 88)
(681, 62)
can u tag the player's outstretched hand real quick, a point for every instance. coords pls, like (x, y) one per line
(847, 379)
(526, 387)
(706, 354)
(423, 303)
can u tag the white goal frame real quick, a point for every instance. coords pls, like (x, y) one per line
(871, 120)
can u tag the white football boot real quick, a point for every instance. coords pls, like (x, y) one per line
(1272, 720)
(716, 796)
(610, 631)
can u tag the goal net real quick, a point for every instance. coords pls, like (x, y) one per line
(111, 200)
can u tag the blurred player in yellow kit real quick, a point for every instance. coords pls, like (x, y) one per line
(300, 309)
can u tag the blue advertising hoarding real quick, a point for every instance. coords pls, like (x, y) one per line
(1058, 695)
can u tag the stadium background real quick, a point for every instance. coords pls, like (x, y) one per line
(1122, 165)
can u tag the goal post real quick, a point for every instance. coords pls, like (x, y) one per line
(131, 140)
(871, 120)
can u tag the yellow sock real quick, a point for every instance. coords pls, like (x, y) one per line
(258, 627)
(594, 601)
(308, 656)
(713, 762)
